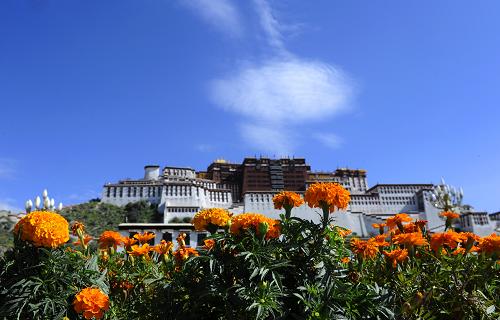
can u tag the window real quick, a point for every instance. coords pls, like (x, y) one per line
(188, 237)
(201, 237)
(167, 236)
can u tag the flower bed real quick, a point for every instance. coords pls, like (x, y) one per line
(256, 268)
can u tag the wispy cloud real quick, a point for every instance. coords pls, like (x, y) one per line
(221, 14)
(7, 168)
(204, 147)
(328, 139)
(270, 26)
(270, 138)
(83, 196)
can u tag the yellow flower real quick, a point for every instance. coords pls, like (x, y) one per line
(327, 195)
(254, 221)
(91, 302)
(43, 229)
(211, 219)
(287, 200)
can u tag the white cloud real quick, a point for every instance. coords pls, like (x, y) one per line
(284, 90)
(221, 14)
(271, 138)
(8, 204)
(329, 139)
(6, 168)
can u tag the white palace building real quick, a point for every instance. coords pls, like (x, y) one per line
(249, 187)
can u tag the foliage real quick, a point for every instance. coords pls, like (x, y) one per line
(180, 220)
(311, 271)
(99, 216)
(6, 226)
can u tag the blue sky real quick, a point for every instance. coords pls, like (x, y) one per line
(91, 91)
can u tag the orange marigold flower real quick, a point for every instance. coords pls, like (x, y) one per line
(43, 229)
(449, 238)
(469, 236)
(110, 239)
(128, 242)
(365, 249)
(125, 285)
(164, 247)
(397, 220)
(91, 302)
(209, 244)
(379, 226)
(395, 256)
(421, 224)
(254, 221)
(343, 232)
(490, 244)
(449, 215)
(86, 240)
(410, 239)
(345, 260)
(181, 239)
(410, 227)
(327, 195)
(379, 240)
(287, 199)
(145, 237)
(212, 219)
(459, 250)
(184, 253)
(77, 226)
(138, 251)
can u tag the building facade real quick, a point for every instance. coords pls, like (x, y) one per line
(251, 185)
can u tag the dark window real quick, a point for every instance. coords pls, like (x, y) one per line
(167, 236)
(201, 237)
(188, 238)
